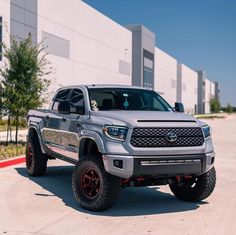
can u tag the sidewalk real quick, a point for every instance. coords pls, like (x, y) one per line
(21, 136)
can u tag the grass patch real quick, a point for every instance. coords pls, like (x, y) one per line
(11, 150)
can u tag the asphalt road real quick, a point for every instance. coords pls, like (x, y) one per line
(46, 205)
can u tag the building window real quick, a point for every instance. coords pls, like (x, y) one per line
(148, 69)
(0, 38)
(148, 77)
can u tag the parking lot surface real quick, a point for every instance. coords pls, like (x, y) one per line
(45, 205)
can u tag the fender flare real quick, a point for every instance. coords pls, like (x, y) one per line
(35, 127)
(86, 134)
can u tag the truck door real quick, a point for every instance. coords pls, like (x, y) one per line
(70, 125)
(51, 131)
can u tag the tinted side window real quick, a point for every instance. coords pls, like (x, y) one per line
(77, 102)
(61, 96)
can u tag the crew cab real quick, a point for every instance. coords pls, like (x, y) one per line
(120, 136)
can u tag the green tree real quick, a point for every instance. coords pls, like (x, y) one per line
(1, 104)
(215, 105)
(229, 108)
(24, 82)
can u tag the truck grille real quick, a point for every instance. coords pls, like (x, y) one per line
(157, 137)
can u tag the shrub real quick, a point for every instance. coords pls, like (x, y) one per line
(11, 150)
(215, 105)
(229, 108)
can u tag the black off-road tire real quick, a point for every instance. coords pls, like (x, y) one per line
(196, 189)
(89, 173)
(36, 161)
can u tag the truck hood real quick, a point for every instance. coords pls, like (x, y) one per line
(146, 118)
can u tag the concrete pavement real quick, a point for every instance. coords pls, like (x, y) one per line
(21, 136)
(45, 205)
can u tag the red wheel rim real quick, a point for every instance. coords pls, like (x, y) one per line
(90, 183)
(29, 156)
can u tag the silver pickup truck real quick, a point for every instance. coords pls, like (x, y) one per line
(119, 136)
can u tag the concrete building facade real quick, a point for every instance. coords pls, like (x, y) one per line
(207, 90)
(210, 88)
(86, 47)
(201, 91)
(165, 79)
(84, 52)
(207, 96)
(4, 27)
(143, 47)
(217, 91)
(83, 44)
(187, 88)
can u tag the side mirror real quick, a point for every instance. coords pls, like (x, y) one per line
(80, 110)
(64, 107)
(77, 110)
(179, 107)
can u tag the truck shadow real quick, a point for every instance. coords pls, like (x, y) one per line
(132, 201)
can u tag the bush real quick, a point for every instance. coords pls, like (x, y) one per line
(11, 150)
(229, 108)
(215, 105)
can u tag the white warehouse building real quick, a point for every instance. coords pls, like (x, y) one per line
(165, 79)
(189, 89)
(82, 44)
(209, 94)
(79, 52)
(87, 47)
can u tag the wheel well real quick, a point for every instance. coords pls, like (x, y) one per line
(88, 147)
(32, 133)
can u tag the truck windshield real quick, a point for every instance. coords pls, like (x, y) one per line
(108, 99)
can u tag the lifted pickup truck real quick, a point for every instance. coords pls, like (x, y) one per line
(118, 136)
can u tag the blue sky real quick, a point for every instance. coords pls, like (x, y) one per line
(199, 33)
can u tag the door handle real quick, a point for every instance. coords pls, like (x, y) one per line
(78, 123)
(63, 119)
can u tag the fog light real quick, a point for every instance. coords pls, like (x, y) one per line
(118, 163)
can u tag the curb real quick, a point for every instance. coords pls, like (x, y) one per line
(12, 161)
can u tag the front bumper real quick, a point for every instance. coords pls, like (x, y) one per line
(172, 165)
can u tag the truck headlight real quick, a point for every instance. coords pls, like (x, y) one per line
(115, 132)
(206, 131)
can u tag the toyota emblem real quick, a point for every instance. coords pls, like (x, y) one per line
(171, 137)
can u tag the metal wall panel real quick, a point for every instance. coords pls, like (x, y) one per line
(56, 45)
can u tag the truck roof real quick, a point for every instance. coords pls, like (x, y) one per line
(105, 86)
